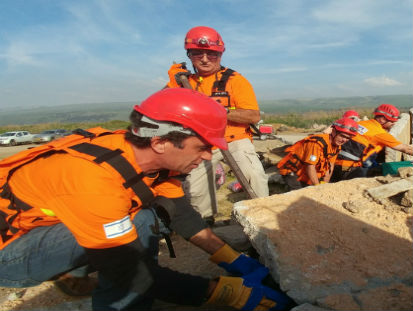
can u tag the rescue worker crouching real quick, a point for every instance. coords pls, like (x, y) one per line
(204, 46)
(359, 155)
(310, 161)
(85, 200)
(350, 114)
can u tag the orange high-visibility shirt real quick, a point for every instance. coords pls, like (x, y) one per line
(87, 197)
(242, 96)
(377, 135)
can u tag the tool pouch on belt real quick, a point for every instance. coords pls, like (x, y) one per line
(164, 209)
(221, 97)
(219, 92)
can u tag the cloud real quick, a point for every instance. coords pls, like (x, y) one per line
(381, 81)
(361, 14)
(21, 53)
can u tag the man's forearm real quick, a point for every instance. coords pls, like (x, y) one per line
(408, 149)
(243, 116)
(327, 176)
(312, 174)
(207, 240)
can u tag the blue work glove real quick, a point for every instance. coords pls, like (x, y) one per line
(247, 293)
(233, 262)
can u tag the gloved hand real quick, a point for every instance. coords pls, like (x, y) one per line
(235, 263)
(175, 72)
(247, 293)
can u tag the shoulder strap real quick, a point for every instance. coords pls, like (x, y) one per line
(321, 140)
(221, 84)
(121, 165)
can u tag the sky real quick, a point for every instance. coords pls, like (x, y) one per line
(56, 52)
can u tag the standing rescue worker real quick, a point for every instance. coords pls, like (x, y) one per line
(104, 199)
(360, 153)
(310, 161)
(205, 47)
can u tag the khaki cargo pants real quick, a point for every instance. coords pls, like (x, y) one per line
(199, 186)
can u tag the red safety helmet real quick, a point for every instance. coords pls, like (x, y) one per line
(388, 111)
(352, 114)
(346, 125)
(190, 109)
(204, 38)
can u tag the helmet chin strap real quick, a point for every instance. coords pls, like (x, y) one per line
(335, 133)
(161, 128)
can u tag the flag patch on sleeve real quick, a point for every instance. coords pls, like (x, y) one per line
(313, 158)
(118, 228)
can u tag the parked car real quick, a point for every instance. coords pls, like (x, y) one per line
(16, 138)
(49, 135)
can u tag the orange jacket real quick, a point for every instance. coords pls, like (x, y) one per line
(355, 152)
(90, 198)
(314, 150)
(360, 149)
(377, 135)
(241, 95)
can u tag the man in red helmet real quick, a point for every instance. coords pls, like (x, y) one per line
(311, 161)
(205, 47)
(104, 199)
(350, 114)
(359, 154)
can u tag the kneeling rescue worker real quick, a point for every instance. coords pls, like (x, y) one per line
(360, 154)
(104, 199)
(310, 161)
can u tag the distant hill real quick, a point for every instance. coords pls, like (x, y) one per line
(403, 102)
(91, 112)
(102, 112)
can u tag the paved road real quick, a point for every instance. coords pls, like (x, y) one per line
(6, 151)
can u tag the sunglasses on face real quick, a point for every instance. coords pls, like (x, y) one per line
(199, 54)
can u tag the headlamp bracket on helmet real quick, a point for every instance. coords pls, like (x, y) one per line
(159, 128)
(203, 42)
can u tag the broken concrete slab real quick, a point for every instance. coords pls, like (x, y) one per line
(405, 172)
(326, 256)
(407, 199)
(402, 131)
(385, 191)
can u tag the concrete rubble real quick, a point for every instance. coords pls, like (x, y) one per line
(388, 190)
(402, 130)
(332, 247)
